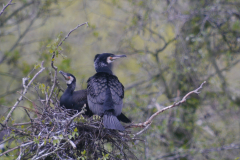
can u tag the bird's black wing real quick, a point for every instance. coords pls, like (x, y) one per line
(117, 91)
(96, 93)
(79, 99)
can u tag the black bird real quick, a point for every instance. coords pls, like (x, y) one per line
(105, 92)
(76, 99)
(73, 99)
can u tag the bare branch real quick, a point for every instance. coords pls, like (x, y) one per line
(4, 7)
(24, 92)
(71, 32)
(52, 62)
(10, 150)
(76, 115)
(149, 121)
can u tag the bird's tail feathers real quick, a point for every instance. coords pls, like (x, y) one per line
(111, 122)
(123, 118)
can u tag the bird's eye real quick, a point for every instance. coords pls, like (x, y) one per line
(68, 77)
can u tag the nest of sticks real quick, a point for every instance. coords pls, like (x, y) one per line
(58, 133)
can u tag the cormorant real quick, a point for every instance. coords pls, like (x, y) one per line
(105, 92)
(76, 99)
(73, 99)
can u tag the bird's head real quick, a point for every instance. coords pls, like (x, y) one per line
(102, 62)
(70, 79)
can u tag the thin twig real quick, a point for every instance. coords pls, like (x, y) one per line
(71, 32)
(24, 96)
(149, 121)
(76, 115)
(29, 109)
(4, 7)
(24, 92)
(144, 129)
(45, 155)
(10, 150)
(52, 62)
(28, 115)
(20, 124)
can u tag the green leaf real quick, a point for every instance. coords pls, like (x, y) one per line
(60, 136)
(45, 141)
(36, 66)
(51, 50)
(75, 130)
(36, 140)
(55, 141)
(83, 152)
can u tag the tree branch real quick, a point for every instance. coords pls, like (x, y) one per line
(10, 150)
(4, 7)
(149, 121)
(24, 92)
(52, 62)
(71, 32)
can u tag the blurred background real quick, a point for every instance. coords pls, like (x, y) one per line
(172, 46)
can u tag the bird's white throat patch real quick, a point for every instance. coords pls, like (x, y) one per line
(110, 60)
(70, 80)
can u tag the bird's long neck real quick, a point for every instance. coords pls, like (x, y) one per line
(70, 88)
(104, 69)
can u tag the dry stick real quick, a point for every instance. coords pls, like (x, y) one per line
(29, 109)
(24, 92)
(24, 96)
(72, 118)
(4, 7)
(28, 115)
(149, 121)
(10, 150)
(26, 123)
(71, 32)
(52, 62)
(144, 129)
(6, 140)
(45, 155)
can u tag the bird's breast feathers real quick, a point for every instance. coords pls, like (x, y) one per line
(98, 84)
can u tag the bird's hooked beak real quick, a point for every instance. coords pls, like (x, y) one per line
(65, 75)
(114, 57)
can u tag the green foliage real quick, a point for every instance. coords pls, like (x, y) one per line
(74, 133)
(104, 157)
(236, 26)
(54, 48)
(83, 155)
(36, 140)
(43, 88)
(55, 141)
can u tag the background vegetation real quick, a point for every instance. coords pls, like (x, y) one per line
(172, 47)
